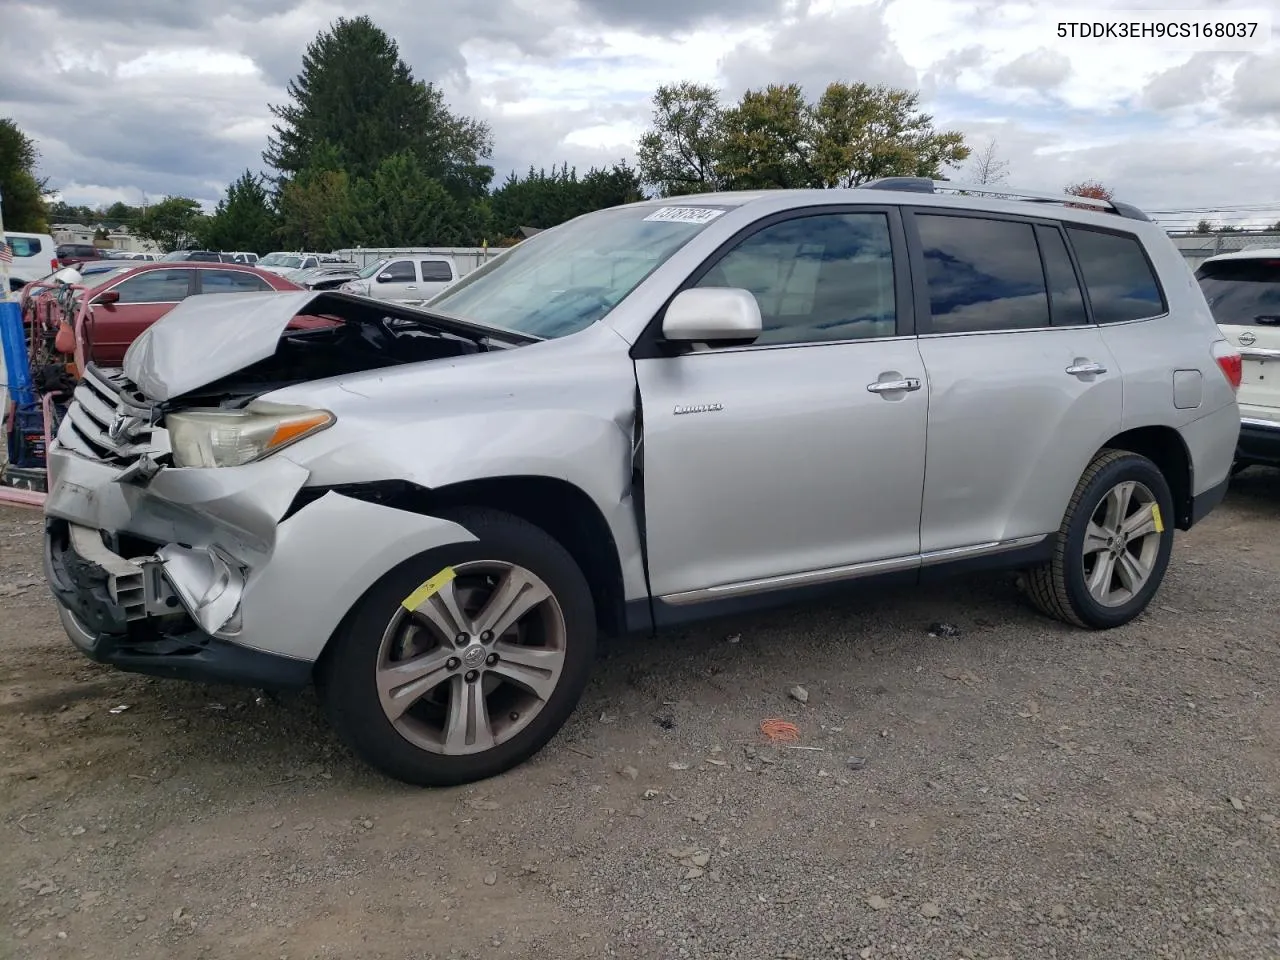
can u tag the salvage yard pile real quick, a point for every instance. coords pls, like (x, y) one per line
(969, 780)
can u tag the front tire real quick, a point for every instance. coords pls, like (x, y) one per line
(1113, 547)
(463, 661)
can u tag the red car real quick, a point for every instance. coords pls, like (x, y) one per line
(125, 304)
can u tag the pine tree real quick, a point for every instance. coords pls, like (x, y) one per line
(356, 94)
(243, 219)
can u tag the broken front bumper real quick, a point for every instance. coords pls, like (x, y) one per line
(127, 613)
(205, 574)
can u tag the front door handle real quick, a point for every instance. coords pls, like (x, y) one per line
(893, 386)
(1086, 368)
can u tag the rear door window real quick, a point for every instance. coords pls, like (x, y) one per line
(436, 271)
(1242, 293)
(155, 286)
(982, 275)
(1118, 278)
(231, 281)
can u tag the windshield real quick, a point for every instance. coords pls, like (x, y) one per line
(1242, 293)
(371, 269)
(278, 260)
(562, 281)
(176, 255)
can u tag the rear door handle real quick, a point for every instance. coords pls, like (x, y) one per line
(1086, 368)
(893, 386)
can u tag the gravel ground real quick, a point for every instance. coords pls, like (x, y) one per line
(1019, 789)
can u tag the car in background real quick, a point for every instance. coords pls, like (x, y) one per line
(326, 277)
(1243, 291)
(91, 273)
(124, 304)
(243, 256)
(192, 256)
(410, 277)
(69, 254)
(281, 262)
(33, 255)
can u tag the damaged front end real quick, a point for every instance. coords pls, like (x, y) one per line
(172, 555)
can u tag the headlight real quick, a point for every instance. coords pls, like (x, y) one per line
(229, 438)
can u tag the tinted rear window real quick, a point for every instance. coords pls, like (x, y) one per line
(982, 274)
(435, 271)
(1242, 293)
(1117, 276)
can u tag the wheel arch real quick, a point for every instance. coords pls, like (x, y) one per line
(564, 511)
(1164, 447)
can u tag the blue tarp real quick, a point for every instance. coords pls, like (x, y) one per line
(17, 365)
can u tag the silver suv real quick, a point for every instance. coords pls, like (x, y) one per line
(646, 416)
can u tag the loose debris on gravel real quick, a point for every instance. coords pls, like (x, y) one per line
(1020, 790)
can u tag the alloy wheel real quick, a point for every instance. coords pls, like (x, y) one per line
(1121, 543)
(475, 662)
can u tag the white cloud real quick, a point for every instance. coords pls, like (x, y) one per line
(1039, 69)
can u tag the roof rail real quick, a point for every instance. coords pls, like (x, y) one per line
(925, 185)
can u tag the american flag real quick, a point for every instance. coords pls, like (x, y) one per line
(6, 254)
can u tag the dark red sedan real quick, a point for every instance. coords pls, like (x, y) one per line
(124, 304)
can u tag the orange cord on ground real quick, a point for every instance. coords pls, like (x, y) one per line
(780, 730)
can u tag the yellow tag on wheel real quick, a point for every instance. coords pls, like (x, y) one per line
(420, 596)
(1155, 515)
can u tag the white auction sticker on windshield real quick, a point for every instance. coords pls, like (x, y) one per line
(698, 215)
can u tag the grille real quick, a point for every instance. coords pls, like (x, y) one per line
(107, 419)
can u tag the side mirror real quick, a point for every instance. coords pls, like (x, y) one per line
(712, 315)
(108, 296)
(385, 278)
(68, 275)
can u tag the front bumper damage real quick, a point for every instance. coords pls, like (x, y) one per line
(204, 574)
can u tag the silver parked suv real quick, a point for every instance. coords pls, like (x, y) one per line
(648, 415)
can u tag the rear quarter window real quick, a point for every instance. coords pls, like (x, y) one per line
(1118, 278)
(1242, 293)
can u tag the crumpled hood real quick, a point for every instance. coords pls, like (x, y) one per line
(210, 336)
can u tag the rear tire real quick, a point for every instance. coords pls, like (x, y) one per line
(427, 698)
(1113, 547)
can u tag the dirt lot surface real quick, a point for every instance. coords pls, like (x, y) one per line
(1018, 790)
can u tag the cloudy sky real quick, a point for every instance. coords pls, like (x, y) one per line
(170, 97)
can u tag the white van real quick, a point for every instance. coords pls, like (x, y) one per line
(33, 254)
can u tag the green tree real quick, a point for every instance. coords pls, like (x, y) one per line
(172, 224)
(121, 214)
(541, 199)
(865, 132)
(400, 206)
(60, 212)
(773, 137)
(315, 210)
(610, 188)
(21, 192)
(680, 153)
(769, 140)
(355, 94)
(243, 219)
(1204, 226)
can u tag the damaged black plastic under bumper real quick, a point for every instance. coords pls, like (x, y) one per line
(97, 626)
